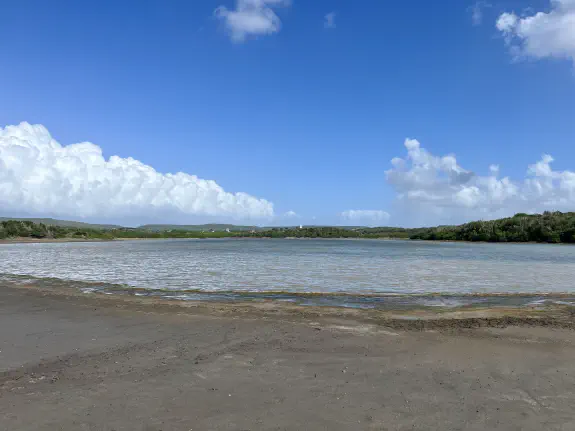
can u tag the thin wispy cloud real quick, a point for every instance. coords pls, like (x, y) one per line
(477, 12)
(365, 217)
(251, 18)
(329, 20)
(541, 34)
(40, 176)
(291, 214)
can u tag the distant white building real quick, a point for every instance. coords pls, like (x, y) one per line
(300, 226)
(228, 230)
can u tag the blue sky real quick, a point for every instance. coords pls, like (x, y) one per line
(264, 98)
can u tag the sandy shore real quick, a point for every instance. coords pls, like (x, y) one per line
(72, 361)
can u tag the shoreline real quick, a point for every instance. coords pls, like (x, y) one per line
(112, 288)
(127, 363)
(414, 318)
(25, 240)
(382, 305)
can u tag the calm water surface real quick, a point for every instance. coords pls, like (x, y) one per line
(322, 266)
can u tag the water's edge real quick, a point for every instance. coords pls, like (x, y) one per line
(383, 301)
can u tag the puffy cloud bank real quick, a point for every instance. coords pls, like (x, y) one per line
(367, 217)
(438, 184)
(544, 34)
(251, 18)
(38, 175)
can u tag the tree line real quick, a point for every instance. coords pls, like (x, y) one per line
(28, 229)
(549, 227)
(12, 229)
(333, 232)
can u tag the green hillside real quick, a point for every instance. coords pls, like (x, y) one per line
(62, 223)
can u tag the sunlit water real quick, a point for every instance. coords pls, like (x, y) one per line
(356, 267)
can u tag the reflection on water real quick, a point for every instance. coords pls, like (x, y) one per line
(320, 266)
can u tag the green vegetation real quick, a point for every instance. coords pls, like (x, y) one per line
(62, 223)
(389, 232)
(198, 227)
(307, 232)
(13, 229)
(550, 227)
(334, 232)
(28, 229)
(148, 227)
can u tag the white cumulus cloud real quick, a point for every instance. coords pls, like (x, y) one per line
(544, 34)
(438, 185)
(329, 20)
(40, 176)
(251, 18)
(367, 217)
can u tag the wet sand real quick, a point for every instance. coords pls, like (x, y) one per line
(71, 361)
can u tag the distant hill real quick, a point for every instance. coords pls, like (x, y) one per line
(198, 227)
(217, 227)
(63, 223)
